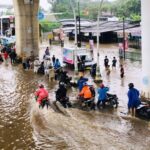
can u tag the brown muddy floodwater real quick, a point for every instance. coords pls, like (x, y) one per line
(24, 127)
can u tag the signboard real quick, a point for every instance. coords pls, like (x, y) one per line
(91, 42)
(68, 56)
(126, 44)
(50, 36)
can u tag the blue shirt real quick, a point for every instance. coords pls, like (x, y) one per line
(133, 96)
(102, 92)
(81, 82)
(57, 65)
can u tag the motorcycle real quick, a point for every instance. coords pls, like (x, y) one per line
(143, 111)
(63, 101)
(45, 102)
(85, 104)
(68, 82)
(112, 100)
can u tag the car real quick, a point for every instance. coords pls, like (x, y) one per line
(7, 41)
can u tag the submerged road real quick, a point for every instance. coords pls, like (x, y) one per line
(24, 126)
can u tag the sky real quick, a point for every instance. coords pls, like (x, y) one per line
(43, 3)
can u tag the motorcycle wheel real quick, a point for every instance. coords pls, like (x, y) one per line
(114, 103)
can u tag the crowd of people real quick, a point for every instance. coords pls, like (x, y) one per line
(87, 95)
(114, 62)
(51, 66)
(107, 67)
(87, 92)
(8, 52)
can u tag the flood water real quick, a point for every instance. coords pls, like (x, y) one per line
(23, 126)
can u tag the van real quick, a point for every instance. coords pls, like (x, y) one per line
(6, 41)
(81, 54)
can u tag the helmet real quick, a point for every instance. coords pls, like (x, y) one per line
(41, 86)
(131, 85)
(61, 84)
(101, 85)
(84, 84)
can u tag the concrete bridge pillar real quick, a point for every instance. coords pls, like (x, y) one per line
(145, 48)
(27, 27)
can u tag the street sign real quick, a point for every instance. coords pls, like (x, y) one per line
(145, 80)
(40, 15)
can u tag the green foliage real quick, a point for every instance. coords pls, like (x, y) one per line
(49, 26)
(64, 7)
(89, 9)
(135, 17)
(127, 8)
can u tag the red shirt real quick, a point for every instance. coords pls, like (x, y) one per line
(6, 55)
(42, 94)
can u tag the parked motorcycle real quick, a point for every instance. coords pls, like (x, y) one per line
(143, 111)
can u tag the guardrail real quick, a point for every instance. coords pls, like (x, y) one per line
(133, 55)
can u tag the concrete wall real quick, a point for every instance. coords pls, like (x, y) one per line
(146, 48)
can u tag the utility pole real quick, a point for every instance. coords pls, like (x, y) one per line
(76, 42)
(1, 24)
(124, 49)
(98, 74)
(75, 20)
(78, 18)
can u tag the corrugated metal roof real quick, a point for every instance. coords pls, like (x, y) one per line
(109, 26)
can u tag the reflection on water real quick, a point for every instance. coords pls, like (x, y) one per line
(24, 126)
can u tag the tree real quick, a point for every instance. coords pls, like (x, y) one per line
(127, 8)
(89, 8)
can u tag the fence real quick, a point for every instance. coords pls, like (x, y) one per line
(132, 55)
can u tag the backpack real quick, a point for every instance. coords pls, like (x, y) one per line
(92, 91)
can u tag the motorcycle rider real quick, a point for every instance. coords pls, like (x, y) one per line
(86, 94)
(65, 78)
(42, 96)
(57, 67)
(93, 70)
(36, 64)
(57, 64)
(133, 99)
(102, 92)
(61, 95)
(80, 82)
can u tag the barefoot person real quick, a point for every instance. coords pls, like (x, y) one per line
(133, 96)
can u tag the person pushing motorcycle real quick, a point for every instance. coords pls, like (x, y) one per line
(85, 96)
(61, 95)
(42, 96)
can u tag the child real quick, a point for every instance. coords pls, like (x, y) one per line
(121, 71)
(108, 70)
(114, 61)
(51, 74)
